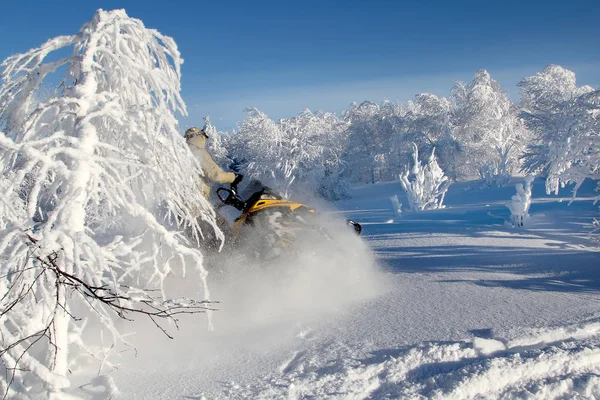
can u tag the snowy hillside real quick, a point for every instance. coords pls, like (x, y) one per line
(461, 304)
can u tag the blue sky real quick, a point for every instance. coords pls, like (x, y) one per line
(283, 56)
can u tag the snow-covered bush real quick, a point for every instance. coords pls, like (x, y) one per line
(520, 202)
(85, 169)
(428, 184)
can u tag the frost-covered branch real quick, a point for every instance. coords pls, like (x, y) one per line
(98, 173)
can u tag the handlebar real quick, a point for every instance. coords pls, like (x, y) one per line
(235, 183)
(229, 197)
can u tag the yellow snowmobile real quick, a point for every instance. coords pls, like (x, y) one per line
(270, 225)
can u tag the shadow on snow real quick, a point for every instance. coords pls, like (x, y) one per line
(553, 252)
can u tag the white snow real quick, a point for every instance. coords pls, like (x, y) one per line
(460, 305)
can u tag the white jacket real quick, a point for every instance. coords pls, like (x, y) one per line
(212, 172)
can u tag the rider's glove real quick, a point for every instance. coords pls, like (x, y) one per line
(237, 180)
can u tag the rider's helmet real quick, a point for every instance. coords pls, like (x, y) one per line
(196, 136)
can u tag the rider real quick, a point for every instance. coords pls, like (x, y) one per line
(196, 139)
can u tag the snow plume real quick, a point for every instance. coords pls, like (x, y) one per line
(428, 186)
(89, 172)
(328, 269)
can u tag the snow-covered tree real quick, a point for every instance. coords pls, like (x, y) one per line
(217, 144)
(520, 202)
(316, 144)
(427, 124)
(380, 136)
(369, 135)
(487, 126)
(303, 151)
(262, 152)
(565, 121)
(88, 168)
(425, 185)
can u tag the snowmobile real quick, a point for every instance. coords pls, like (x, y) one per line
(269, 225)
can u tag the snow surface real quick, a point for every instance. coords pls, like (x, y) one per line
(453, 303)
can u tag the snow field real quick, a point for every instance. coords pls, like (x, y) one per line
(482, 368)
(461, 305)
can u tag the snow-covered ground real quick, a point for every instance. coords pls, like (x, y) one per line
(454, 303)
